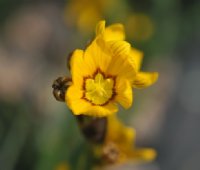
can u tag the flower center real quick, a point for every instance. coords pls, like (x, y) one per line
(99, 90)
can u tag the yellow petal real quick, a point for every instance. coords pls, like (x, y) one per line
(101, 111)
(75, 102)
(79, 106)
(118, 48)
(145, 154)
(100, 28)
(145, 79)
(78, 68)
(111, 33)
(124, 93)
(114, 32)
(118, 133)
(136, 57)
(96, 57)
(120, 66)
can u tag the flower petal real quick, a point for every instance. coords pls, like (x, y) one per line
(119, 133)
(118, 48)
(114, 32)
(145, 79)
(75, 102)
(100, 28)
(78, 68)
(111, 33)
(146, 154)
(136, 57)
(101, 111)
(97, 57)
(120, 66)
(124, 93)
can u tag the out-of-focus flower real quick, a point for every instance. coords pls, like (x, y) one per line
(86, 13)
(103, 74)
(119, 144)
(139, 27)
(62, 166)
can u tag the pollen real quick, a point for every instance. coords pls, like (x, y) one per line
(99, 90)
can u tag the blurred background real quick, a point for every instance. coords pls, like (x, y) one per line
(36, 36)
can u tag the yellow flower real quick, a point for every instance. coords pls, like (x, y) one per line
(139, 27)
(104, 74)
(119, 145)
(101, 77)
(86, 13)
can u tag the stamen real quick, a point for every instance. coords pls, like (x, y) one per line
(99, 89)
